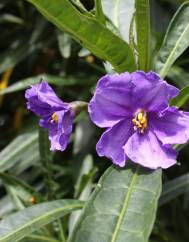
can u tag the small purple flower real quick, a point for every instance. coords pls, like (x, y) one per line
(56, 115)
(140, 125)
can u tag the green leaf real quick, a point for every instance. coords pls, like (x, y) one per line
(142, 18)
(178, 76)
(175, 41)
(83, 187)
(182, 98)
(20, 149)
(55, 80)
(89, 32)
(20, 224)
(19, 187)
(99, 12)
(9, 18)
(174, 188)
(46, 161)
(120, 12)
(122, 207)
(17, 52)
(64, 44)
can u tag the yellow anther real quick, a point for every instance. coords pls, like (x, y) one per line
(140, 121)
(54, 117)
(140, 116)
(143, 120)
(134, 121)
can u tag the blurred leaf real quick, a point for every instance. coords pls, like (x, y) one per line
(6, 206)
(46, 160)
(175, 41)
(18, 150)
(82, 138)
(178, 76)
(182, 98)
(20, 224)
(18, 204)
(174, 188)
(83, 187)
(17, 52)
(21, 189)
(142, 18)
(89, 32)
(85, 177)
(83, 52)
(10, 19)
(55, 80)
(122, 207)
(26, 159)
(64, 43)
(120, 13)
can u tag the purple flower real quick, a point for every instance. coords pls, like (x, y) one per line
(140, 125)
(56, 115)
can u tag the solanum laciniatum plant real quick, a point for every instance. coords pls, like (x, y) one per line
(95, 120)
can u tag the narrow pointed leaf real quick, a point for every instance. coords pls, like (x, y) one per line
(122, 208)
(182, 98)
(143, 33)
(20, 149)
(120, 12)
(20, 224)
(89, 31)
(174, 188)
(175, 41)
(55, 80)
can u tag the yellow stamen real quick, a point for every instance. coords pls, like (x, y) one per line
(140, 116)
(140, 121)
(54, 117)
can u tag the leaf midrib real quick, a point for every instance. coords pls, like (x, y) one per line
(167, 63)
(125, 204)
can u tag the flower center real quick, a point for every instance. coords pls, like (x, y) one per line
(140, 121)
(54, 117)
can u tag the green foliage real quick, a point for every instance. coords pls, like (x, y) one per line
(175, 41)
(35, 182)
(174, 188)
(182, 98)
(124, 200)
(19, 150)
(18, 225)
(88, 31)
(120, 14)
(143, 33)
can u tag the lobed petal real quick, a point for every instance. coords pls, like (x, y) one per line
(112, 141)
(147, 150)
(59, 133)
(150, 92)
(112, 100)
(171, 127)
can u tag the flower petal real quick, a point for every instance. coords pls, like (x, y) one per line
(172, 127)
(41, 99)
(112, 100)
(112, 141)
(151, 92)
(60, 132)
(146, 150)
